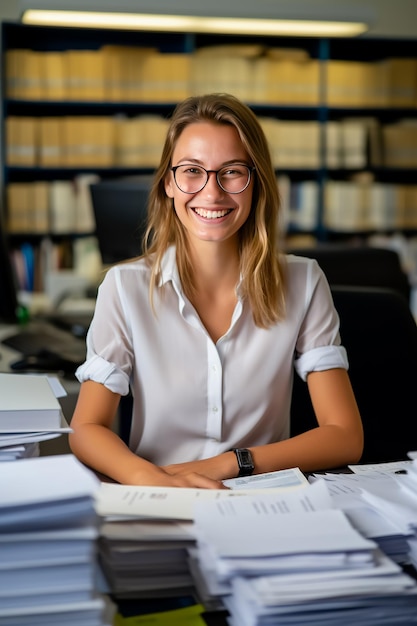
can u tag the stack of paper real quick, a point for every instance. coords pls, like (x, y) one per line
(412, 542)
(397, 501)
(348, 494)
(381, 502)
(48, 540)
(21, 450)
(290, 560)
(145, 559)
(30, 412)
(147, 532)
(375, 596)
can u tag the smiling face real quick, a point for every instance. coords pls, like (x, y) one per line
(211, 214)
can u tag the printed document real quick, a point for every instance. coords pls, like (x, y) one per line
(127, 501)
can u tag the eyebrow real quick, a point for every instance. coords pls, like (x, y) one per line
(186, 160)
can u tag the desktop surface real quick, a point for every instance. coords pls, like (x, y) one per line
(43, 346)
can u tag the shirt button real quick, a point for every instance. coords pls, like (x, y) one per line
(215, 409)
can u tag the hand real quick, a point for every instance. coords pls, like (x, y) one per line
(211, 469)
(194, 480)
(172, 476)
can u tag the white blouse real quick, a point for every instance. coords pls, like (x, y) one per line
(194, 398)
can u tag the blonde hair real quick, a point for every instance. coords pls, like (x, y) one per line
(260, 267)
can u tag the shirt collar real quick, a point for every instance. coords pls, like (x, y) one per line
(169, 272)
(169, 269)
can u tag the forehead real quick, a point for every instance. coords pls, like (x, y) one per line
(201, 139)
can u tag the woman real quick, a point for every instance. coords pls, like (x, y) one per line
(205, 329)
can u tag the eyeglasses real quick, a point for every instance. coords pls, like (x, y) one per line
(231, 178)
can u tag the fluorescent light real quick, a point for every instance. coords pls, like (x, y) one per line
(194, 24)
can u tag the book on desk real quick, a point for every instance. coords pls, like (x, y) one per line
(28, 402)
(30, 412)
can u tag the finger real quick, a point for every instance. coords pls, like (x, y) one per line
(201, 482)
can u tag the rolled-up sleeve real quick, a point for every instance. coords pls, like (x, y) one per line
(109, 342)
(101, 371)
(321, 359)
(318, 345)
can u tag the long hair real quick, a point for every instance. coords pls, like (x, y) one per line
(261, 270)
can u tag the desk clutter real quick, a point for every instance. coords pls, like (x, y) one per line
(30, 412)
(48, 538)
(148, 532)
(303, 552)
(294, 559)
(272, 549)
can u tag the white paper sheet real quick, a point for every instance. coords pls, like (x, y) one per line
(44, 479)
(126, 501)
(274, 533)
(292, 478)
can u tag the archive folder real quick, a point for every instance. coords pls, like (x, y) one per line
(28, 402)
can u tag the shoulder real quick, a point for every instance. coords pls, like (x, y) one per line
(127, 273)
(301, 267)
(304, 280)
(134, 266)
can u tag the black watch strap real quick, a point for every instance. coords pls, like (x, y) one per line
(244, 461)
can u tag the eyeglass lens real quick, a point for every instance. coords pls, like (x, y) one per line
(192, 178)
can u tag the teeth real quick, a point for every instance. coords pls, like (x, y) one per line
(211, 214)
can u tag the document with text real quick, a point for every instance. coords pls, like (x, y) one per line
(129, 501)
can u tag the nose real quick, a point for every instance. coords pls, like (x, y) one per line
(212, 184)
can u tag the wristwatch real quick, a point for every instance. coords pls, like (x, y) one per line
(245, 461)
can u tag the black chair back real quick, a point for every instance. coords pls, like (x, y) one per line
(380, 335)
(364, 266)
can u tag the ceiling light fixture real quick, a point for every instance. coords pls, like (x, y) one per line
(194, 24)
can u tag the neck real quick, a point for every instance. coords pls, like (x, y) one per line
(216, 270)
(216, 266)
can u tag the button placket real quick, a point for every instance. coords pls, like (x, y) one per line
(214, 394)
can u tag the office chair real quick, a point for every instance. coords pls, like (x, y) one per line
(363, 266)
(380, 336)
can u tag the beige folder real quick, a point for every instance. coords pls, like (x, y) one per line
(23, 74)
(17, 205)
(85, 73)
(53, 74)
(51, 152)
(21, 141)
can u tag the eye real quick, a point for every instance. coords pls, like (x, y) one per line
(234, 171)
(191, 170)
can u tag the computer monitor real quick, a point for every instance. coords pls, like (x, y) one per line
(8, 290)
(120, 208)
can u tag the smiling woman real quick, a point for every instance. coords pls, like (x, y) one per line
(206, 328)
(214, 201)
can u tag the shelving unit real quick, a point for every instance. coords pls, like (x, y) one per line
(345, 194)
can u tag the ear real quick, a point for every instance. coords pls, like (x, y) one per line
(169, 186)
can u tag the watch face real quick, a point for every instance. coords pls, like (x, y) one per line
(245, 461)
(246, 458)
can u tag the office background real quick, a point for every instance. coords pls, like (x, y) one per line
(392, 30)
(387, 19)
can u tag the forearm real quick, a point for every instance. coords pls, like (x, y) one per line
(320, 448)
(218, 467)
(102, 450)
